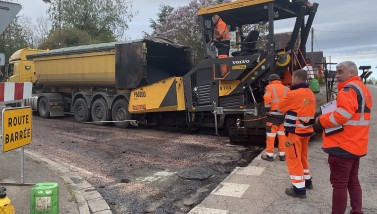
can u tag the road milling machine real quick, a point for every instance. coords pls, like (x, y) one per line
(153, 81)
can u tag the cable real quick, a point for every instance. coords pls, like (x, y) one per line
(330, 31)
(250, 120)
(316, 42)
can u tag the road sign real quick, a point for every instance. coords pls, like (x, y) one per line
(17, 128)
(2, 59)
(8, 11)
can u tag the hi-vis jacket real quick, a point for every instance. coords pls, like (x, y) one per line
(354, 103)
(299, 107)
(275, 91)
(221, 31)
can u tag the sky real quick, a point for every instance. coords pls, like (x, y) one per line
(343, 30)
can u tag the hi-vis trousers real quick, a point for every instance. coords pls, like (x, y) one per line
(272, 130)
(296, 152)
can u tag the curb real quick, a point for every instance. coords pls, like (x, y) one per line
(89, 200)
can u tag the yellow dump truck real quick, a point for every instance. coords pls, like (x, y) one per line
(153, 80)
(95, 82)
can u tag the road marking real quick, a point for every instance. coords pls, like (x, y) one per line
(249, 170)
(203, 210)
(231, 189)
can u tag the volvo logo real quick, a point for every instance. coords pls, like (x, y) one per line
(241, 62)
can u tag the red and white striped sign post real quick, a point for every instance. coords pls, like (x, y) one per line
(12, 92)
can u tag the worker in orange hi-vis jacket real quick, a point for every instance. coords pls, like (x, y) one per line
(275, 91)
(350, 142)
(299, 107)
(221, 37)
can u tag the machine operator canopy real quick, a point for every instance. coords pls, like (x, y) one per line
(242, 12)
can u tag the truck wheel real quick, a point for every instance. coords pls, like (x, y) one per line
(100, 111)
(43, 108)
(120, 112)
(80, 111)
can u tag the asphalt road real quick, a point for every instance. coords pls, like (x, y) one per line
(136, 170)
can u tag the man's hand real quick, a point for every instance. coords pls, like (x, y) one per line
(317, 121)
(317, 125)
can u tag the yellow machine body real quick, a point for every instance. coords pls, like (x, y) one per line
(165, 95)
(226, 87)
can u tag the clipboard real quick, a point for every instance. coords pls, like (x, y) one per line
(330, 107)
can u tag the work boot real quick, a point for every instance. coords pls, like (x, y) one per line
(295, 192)
(282, 157)
(309, 184)
(267, 158)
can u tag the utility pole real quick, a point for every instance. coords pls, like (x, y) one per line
(60, 22)
(312, 45)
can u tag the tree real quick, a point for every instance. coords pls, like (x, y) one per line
(165, 11)
(13, 39)
(103, 20)
(67, 37)
(371, 80)
(41, 30)
(181, 25)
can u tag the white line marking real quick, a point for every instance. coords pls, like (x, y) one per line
(231, 189)
(249, 170)
(203, 210)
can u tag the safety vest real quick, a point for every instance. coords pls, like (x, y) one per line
(221, 31)
(299, 107)
(275, 91)
(354, 103)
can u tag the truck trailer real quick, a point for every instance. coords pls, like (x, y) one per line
(154, 81)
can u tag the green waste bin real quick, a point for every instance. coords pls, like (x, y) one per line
(44, 199)
(314, 85)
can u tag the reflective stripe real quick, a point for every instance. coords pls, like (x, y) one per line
(360, 92)
(267, 106)
(358, 123)
(275, 94)
(344, 113)
(297, 178)
(281, 133)
(306, 171)
(307, 177)
(296, 125)
(267, 93)
(271, 134)
(285, 91)
(291, 117)
(332, 120)
(270, 154)
(276, 113)
(281, 153)
(299, 185)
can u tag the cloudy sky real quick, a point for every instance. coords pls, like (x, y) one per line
(343, 30)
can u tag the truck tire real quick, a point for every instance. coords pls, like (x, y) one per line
(43, 108)
(81, 111)
(120, 112)
(100, 111)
